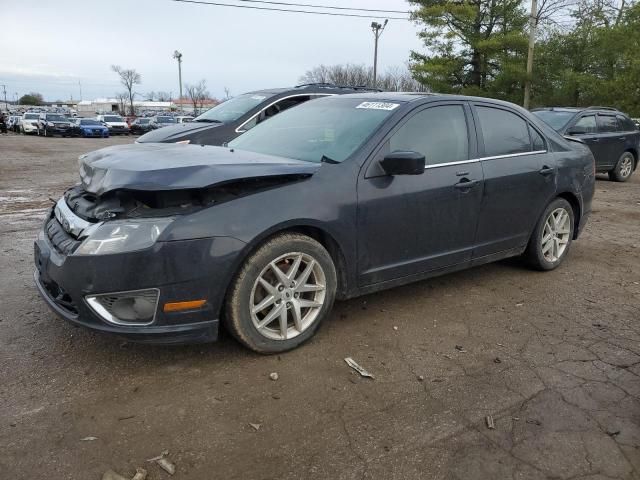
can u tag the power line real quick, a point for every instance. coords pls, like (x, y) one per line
(328, 7)
(218, 4)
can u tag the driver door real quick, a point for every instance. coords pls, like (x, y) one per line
(412, 224)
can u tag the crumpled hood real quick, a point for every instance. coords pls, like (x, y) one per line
(166, 166)
(177, 132)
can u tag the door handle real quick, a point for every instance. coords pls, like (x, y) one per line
(466, 184)
(622, 138)
(593, 140)
(546, 171)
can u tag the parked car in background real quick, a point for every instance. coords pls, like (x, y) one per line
(233, 117)
(335, 198)
(29, 123)
(115, 123)
(611, 135)
(89, 127)
(140, 126)
(50, 124)
(160, 121)
(13, 123)
(184, 118)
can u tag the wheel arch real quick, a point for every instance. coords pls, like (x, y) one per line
(634, 152)
(577, 209)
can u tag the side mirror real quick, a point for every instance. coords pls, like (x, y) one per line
(403, 163)
(577, 131)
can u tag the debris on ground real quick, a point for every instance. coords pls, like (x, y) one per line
(490, 423)
(163, 454)
(534, 421)
(352, 363)
(497, 360)
(420, 378)
(461, 349)
(613, 433)
(395, 327)
(88, 439)
(166, 465)
(273, 376)
(141, 474)
(111, 475)
(519, 304)
(255, 426)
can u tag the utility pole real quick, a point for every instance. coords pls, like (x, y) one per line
(4, 90)
(80, 86)
(533, 23)
(377, 30)
(178, 56)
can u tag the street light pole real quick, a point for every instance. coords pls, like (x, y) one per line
(377, 30)
(178, 56)
(6, 105)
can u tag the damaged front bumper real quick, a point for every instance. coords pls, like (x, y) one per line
(178, 271)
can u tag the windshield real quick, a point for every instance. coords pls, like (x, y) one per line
(329, 128)
(89, 122)
(143, 121)
(113, 118)
(233, 108)
(554, 118)
(56, 118)
(31, 116)
(166, 120)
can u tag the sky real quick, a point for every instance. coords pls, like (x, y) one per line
(52, 46)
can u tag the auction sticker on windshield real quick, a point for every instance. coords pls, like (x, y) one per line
(378, 105)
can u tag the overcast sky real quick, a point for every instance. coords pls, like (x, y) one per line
(48, 46)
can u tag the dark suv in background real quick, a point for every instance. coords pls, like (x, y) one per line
(230, 119)
(611, 135)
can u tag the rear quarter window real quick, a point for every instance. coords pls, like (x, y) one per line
(607, 123)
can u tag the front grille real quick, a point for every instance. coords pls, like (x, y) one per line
(60, 297)
(61, 240)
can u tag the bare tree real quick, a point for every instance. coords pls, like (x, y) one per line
(122, 98)
(197, 93)
(227, 93)
(129, 79)
(163, 96)
(150, 96)
(393, 79)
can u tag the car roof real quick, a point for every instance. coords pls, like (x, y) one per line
(313, 88)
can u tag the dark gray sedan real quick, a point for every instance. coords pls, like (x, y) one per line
(334, 198)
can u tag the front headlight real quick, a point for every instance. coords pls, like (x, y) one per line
(120, 236)
(50, 124)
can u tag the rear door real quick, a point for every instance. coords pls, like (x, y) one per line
(410, 224)
(611, 141)
(588, 128)
(519, 178)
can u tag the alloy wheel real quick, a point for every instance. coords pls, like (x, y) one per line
(555, 234)
(626, 166)
(288, 296)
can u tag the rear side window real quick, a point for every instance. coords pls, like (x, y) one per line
(503, 132)
(537, 140)
(625, 123)
(439, 133)
(607, 123)
(586, 124)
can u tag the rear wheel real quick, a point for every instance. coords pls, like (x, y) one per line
(282, 293)
(552, 236)
(624, 168)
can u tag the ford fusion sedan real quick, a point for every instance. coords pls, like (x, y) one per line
(332, 199)
(614, 139)
(233, 117)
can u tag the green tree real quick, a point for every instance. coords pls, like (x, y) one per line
(32, 98)
(475, 47)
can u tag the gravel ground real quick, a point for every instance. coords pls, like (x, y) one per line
(553, 357)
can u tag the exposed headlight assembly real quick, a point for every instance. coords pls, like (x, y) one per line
(120, 236)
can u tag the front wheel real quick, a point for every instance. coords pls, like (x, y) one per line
(623, 169)
(282, 293)
(552, 236)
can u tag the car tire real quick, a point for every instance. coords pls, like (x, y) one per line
(551, 239)
(624, 168)
(259, 292)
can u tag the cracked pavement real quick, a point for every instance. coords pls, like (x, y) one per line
(553, 357)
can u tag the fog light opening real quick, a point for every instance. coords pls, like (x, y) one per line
(126, 308)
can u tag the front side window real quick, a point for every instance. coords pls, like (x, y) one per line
(586, 124)
(439, 133)
(607, 123)
(329, 129)
(503, 132)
